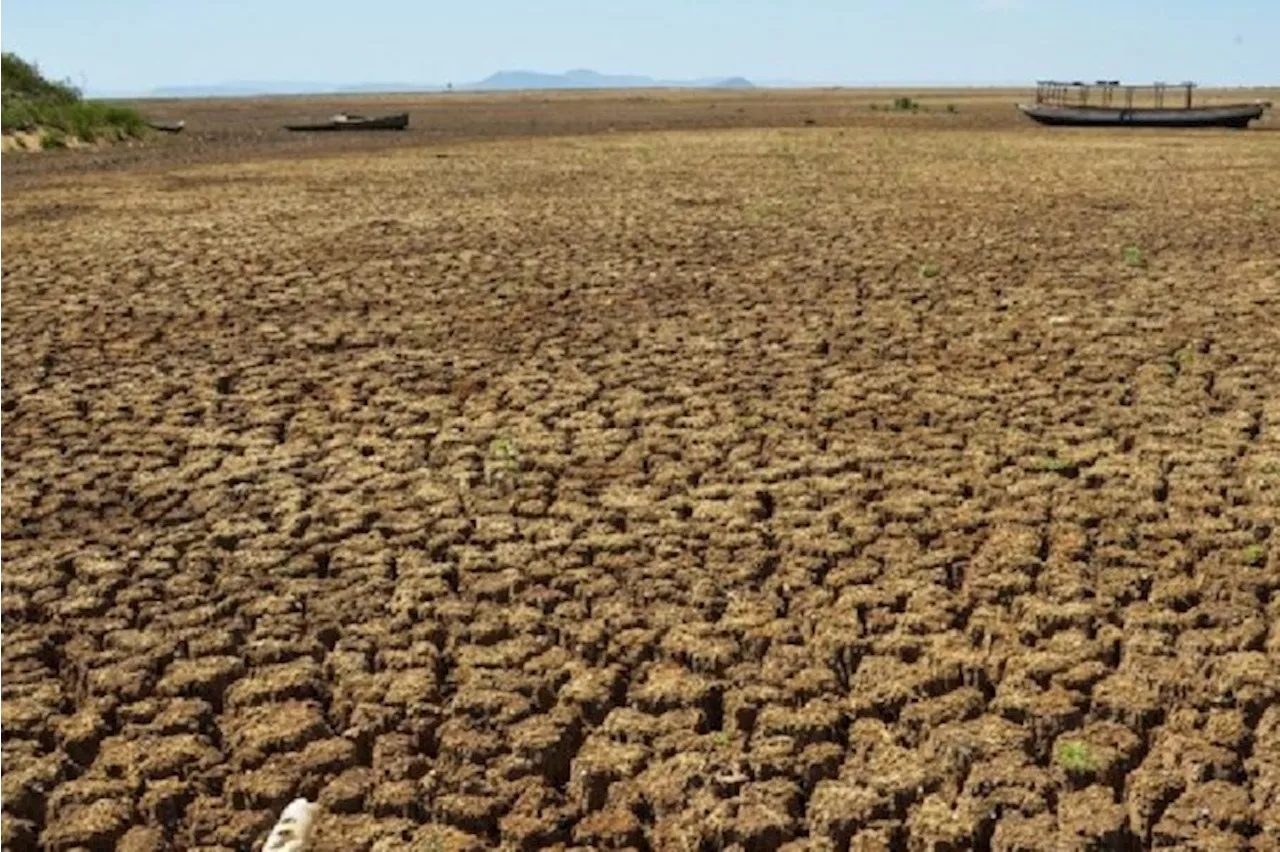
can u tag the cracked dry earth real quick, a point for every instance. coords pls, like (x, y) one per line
(810, 489)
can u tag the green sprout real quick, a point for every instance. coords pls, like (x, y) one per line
(502, 463)
(1054, 464)
(1075, 756)
(930, 270)
(1255, 556)
(1133, 256)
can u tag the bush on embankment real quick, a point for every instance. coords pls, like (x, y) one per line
(56, 112)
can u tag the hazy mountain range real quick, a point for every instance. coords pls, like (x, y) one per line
(501, 81)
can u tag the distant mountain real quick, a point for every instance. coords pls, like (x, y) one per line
(578, 78)
(583, 78)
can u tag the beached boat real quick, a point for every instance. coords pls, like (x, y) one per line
(342, 121)
(167, 126)
(1107, 103)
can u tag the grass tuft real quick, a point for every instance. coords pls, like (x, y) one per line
(1055, 464)
(1133, 256)
(502, 462)
(1075, 756)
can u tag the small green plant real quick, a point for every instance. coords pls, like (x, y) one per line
(723, 739)
(905, 104)
(502, 463)
(1133, 256)
(1255, 556)
(930, 270)
(1055, 464)
(1075, 756)
(1271, 469)
(951, 108)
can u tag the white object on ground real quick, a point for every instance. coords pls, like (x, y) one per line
(292, 832)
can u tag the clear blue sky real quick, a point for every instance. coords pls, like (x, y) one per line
(140, 44)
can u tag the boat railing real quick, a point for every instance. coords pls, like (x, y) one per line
(1110, 93)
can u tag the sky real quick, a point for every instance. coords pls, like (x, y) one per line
(136, 45)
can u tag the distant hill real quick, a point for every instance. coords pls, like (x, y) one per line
(586, 79)
(578, 78)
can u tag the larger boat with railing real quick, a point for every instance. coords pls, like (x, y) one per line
(1108, 103)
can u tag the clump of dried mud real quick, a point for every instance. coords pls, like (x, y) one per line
(644, 491)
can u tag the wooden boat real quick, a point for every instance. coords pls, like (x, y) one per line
(1068, 104)
(167, 126)
(342, 121)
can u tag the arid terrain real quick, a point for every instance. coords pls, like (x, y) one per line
(676, 472)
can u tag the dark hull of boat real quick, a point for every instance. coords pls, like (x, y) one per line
(387, 122)
(1232, 115)
(167, 126)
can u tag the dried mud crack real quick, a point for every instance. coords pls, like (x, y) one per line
(646, 492)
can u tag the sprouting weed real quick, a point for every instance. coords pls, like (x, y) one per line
(930, 270)
(1133, 256)
(502, 463)
(1054, 464)
(1075, 756)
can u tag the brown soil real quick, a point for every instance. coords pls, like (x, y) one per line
(830, 486)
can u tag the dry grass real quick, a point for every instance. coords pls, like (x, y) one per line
(776, 552)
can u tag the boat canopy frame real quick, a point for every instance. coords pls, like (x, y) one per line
(1078, 93)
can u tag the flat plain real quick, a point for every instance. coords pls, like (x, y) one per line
(667, 471)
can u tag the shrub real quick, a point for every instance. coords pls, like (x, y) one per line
(19, 115)
(32, 103)
(22, 79)
(53, 139)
